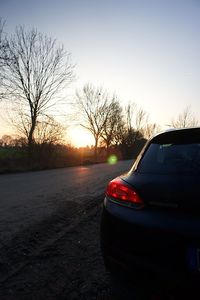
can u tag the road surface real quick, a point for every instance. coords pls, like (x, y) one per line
(29, 198)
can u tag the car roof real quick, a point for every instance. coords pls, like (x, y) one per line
(175, 134)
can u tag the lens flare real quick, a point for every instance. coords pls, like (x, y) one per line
(112, 159)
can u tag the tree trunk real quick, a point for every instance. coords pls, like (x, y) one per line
(95, 150)
(107, 148)
(31, 137)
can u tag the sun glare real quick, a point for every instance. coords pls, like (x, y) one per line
(80, 137)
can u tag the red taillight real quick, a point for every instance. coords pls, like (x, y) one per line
(119, 190)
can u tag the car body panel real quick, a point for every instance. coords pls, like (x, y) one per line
(161, 239)
(176, 191)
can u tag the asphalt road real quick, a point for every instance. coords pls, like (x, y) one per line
(29, 198)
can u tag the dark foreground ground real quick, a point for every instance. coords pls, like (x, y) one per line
(60, 259)
(57, 259)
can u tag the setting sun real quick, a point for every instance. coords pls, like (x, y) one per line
(80, 137)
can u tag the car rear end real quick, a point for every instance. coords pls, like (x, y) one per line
(150, 227)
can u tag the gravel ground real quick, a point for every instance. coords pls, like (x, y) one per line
(57, 259)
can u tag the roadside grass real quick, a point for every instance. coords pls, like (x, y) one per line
(12, 160)
(18, 160)
(6, 153)
(47, 156)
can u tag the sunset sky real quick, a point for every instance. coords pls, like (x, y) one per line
(144, 51)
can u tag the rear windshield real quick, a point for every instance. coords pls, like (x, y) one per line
(166, 158)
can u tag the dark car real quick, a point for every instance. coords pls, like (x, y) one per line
(150, 226)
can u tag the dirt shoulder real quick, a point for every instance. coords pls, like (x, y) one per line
(57, 259)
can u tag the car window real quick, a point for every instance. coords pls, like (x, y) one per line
(171, 159)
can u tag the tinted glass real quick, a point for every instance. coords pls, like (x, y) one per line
(171, 159)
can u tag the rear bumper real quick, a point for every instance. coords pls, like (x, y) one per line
(145, 246)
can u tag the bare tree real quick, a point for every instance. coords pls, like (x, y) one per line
(112, 123)
(137, 122)
(150, 130)
(136, 119)
(120, 132)
(130, 111)
(34, 74)
(184, 119)
(2, 42)
(141, 119)
(6, 140)
(92, 104)
(3, 57)
(49, 131)
(12, 141)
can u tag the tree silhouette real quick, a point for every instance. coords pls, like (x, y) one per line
(35, 71)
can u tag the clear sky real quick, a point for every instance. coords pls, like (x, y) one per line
(145, 51)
